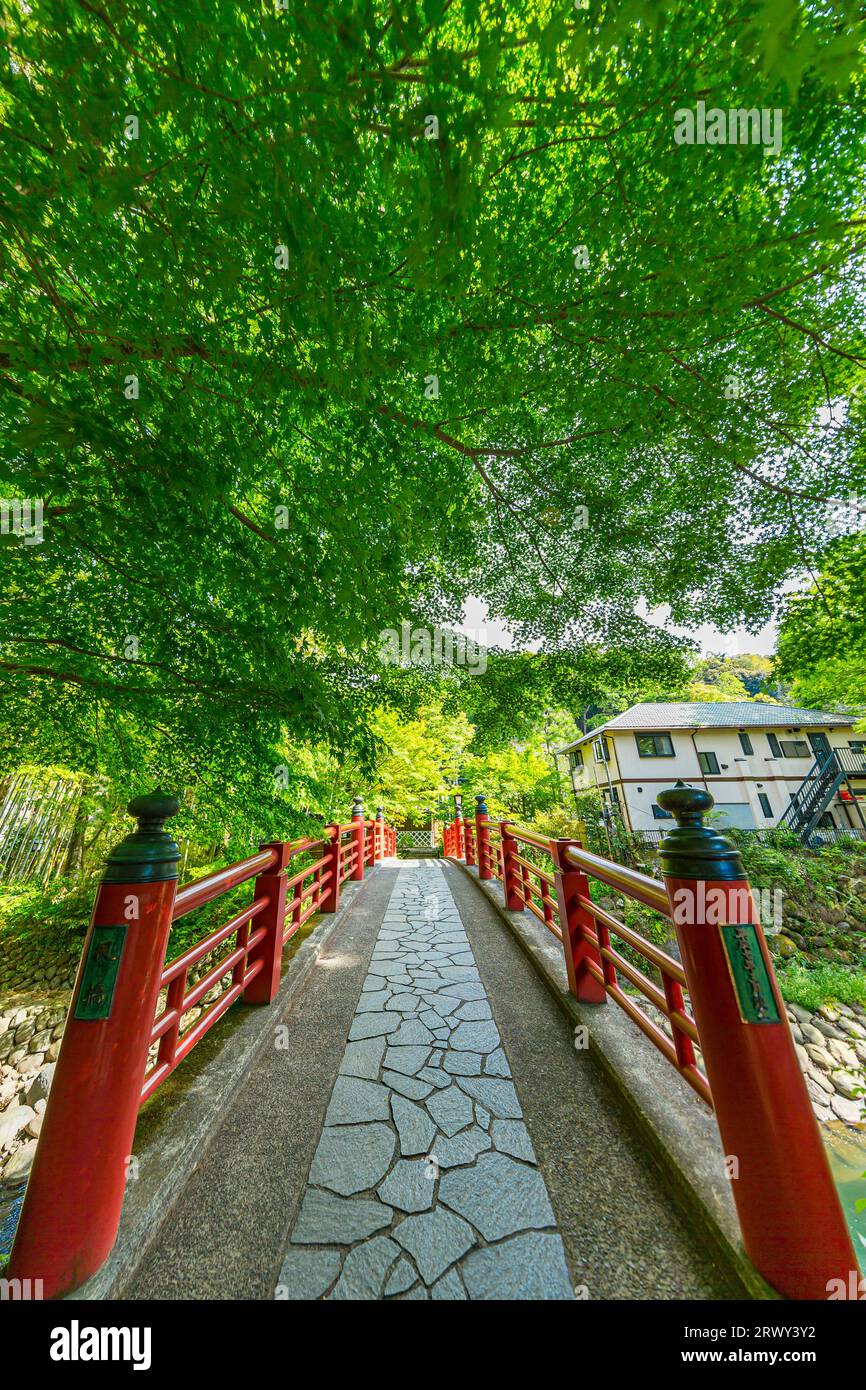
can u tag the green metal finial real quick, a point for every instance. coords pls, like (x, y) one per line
(480, 805)
(148, 854)
(693, 850)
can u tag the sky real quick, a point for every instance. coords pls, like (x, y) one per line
(478, 625)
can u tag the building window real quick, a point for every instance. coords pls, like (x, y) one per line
(826, 822)
(659, 814)
(709, 762)
(746, 744)
(575, 759)
(601, 751)
(654, 745)
(764, 801)
(857, 745)
(775, 746)
(795, 748)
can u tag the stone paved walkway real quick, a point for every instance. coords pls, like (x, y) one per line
(424, 1184)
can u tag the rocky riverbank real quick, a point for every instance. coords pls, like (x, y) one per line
(831, 1046)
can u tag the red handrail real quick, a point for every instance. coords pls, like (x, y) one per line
(204, 890)
(529, 886)
(735, 1015)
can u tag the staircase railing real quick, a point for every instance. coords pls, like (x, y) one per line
(724, 1025)
(819, 786)
(132, 1019)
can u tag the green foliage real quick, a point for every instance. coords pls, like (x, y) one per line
(812, 986)
(780, 860)
(419, 762)
(744, 677)
(58, 913)
(822, 636)
(227, 534)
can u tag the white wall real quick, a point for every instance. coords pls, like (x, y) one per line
(736, 787)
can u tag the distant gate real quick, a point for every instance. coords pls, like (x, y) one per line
(412, 841)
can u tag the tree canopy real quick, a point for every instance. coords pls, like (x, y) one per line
(822, 637)
(322, 317)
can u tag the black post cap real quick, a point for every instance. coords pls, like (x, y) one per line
(380, 813)
(480, 805)
(357, 809)
(693, 850)
(148, 854)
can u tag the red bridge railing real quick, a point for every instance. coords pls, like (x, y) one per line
(721, 998)
(131, 1020)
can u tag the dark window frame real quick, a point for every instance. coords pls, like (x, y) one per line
(764, 803)
(775, 746)
(746, 743)
(655, 738)
(788, 745)
(660, 814)
(708, 755)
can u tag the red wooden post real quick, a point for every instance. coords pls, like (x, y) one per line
(791, 1219)
(74, 1197)
(379, 835)
(271, 885)
(469, 841)
(571, 885)
(510, 877)
(459, 850)
(360, 837)
(482, 834)
(331, 898)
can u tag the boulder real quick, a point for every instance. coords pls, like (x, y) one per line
(30, 1061)
(843, 1053)
(19, 1165)
(12, 1122)
(40, 1085)
(851, 1087)
(851, 1111)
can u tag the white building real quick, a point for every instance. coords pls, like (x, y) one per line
(765, 765)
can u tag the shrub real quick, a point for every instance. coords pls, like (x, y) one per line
(822, 984)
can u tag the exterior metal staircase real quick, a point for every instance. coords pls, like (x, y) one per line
(818, 788)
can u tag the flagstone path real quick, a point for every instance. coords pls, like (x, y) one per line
(424, 1184)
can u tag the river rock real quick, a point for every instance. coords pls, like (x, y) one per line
(811, 1034)
(20, 1163)
(799, 1013)
(846, 1084)
(851, 1111)
(821, 1079)
(829, 1030)
(842, 1052)
(13, 1121)
(30, 1061)
(40, 1085)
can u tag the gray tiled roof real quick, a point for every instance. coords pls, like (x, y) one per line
(721, 714)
